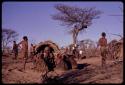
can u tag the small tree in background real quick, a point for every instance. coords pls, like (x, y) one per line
(8, 36)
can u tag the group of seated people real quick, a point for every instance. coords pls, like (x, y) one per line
(50, 60)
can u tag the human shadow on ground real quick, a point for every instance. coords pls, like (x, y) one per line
(82, 66)
(70, 75)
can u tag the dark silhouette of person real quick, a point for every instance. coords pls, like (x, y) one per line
(15, 49)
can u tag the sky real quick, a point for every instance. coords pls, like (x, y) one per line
(34, 20)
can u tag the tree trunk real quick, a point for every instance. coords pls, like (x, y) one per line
(75, 37)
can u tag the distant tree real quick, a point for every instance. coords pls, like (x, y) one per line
(32, 40)
(79, 18)
(88, 47)
(8, 35)
(87, 43)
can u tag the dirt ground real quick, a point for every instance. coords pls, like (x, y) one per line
(91, 73)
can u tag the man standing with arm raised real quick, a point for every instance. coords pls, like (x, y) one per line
(24, 49)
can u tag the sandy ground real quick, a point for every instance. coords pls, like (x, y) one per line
(93, 73)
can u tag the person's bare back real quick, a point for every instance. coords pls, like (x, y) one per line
(24, 45)
(103, 41)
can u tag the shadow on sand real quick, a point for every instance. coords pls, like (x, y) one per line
(82, 66)
(68, 74)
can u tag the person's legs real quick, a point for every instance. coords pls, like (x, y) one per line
(103, 54)
(25, 58)
(14, 55)
(31, 55)
(103, 61)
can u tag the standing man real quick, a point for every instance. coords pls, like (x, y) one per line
(103, 44)
(24, 49)
(15, 49)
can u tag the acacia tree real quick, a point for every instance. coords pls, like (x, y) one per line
(79, 18)
(8, 35)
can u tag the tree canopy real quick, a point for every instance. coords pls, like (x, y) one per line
(79, 18)
(70, 15)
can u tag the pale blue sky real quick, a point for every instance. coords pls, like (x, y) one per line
(33, 19)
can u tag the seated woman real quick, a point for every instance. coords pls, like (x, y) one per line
(49, 58)
(40, 64)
